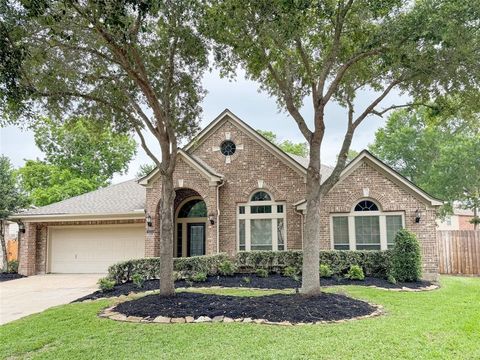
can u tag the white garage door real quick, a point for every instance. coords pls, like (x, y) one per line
(93, 249)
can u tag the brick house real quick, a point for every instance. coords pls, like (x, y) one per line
(235, 191)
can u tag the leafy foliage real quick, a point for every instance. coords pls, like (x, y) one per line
(406, 257)
(263, 273)
(80, 156)
(12, 198)
(226, 268)
(48, 183)
(199, 277)
(325, 271)
(290, 271)
(313, 53)
(149, 268)
(375, 263)
(355, 273)
(86, 147)
(106, 284)
(300, 149)
(436, 151)
(138, 280)
(144, 170)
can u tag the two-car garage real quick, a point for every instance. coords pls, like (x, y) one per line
(92, 249)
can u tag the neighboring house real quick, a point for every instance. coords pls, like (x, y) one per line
(235, 191)
(459, 220)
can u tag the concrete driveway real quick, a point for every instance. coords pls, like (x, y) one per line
(33, 294)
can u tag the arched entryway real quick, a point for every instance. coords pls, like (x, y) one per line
(190, 227)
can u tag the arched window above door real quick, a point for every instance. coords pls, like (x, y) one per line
(195, 208)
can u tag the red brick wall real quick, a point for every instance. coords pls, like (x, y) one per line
(248, 165)
(464, 222)
(390, 197)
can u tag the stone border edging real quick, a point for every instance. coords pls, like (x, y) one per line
(113, 315)
(407, 289)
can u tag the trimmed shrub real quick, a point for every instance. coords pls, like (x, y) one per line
(12, 266)
(290, 271)
(355, 273)
(406, 263)
(149, 268)
(391, 279)
(138, 280)
(263, 273)
(325, 271)
(374, 262)
(226, 268)
(246, 280)
(199, 277)
(106, 284)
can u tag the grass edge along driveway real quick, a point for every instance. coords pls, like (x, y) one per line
(440, 324)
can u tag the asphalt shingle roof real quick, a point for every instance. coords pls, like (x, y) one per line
(122, 198)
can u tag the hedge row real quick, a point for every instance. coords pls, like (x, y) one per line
(373, 263)
(149, 268)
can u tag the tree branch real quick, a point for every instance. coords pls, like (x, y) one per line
(340, 18)
(370, 108)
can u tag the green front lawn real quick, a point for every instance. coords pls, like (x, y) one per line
(441, 324)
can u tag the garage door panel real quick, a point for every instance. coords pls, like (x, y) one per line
(93, 249)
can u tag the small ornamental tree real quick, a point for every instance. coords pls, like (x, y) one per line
(406, 261)
(136, 65)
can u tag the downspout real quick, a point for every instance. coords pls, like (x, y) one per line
(218, 215)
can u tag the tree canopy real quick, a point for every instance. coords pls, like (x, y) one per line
(136, 65)
(81, 155)
(437, 151)
(300, 149)
(313, 53)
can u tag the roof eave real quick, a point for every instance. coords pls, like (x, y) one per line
(84, 217)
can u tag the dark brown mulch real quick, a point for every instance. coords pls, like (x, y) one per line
(273, 281)
(278, 307)
(9, 276)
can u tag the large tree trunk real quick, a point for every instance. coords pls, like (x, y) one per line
(311, 238)
(167, 285)
(3, 246)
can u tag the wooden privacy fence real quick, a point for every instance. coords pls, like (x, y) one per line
(459, 252)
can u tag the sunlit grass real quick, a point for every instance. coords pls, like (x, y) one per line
(440, 324)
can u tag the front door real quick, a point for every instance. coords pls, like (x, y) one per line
(196, 239)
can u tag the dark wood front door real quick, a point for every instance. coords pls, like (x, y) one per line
(196, 239)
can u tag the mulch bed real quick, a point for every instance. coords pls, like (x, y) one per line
(273, 281)
(9, 276)
(275, 308)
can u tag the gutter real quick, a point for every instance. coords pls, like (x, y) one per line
(73, 217)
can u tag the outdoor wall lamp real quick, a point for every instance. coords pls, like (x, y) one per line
(417, 216)
(211, 218)
(21, 227)
(149, 220)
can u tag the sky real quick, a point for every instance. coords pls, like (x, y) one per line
(243, 98)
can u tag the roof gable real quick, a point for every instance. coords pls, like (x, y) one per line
(292, 161)
(193, 161)
(390, 173)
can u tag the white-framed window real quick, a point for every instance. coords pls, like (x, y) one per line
(261, 224)
(366, 227)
